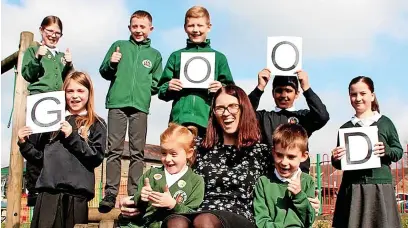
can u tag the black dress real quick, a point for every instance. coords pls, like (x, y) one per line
(230, 176)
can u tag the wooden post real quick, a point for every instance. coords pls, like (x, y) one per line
(9, 62)
(16, 160)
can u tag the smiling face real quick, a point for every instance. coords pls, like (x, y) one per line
(174, 156)
(197, 29)
(76, 96)
(287, 160)
(361, 97)
(285, 96)
(50, 35)
(140, 28)
(227, 112)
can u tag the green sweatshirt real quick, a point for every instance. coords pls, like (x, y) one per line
(46, 74)
(276, 207)
(393, 153)
(134, 79)
(188, 190)
(192, 105)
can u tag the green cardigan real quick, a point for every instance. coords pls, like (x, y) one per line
(393, 153)
(276, 207)
(189, 189)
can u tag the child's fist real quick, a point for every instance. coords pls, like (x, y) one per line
(116, 56)
(294, 185)
(42, 50)
(146, 190)
(263, 78)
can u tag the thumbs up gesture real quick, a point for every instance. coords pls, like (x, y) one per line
(163, 199)
(68, 57)
(42, 50)
(146, 190)
(116, 56)
(294, 185)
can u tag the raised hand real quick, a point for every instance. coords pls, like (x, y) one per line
(23, 134)
(303, 79)
(214, 86)
(68, 57)
(164, 199)
(263, 78)
(294, 185)
(116, 56)
(42, 50)
(146, 190)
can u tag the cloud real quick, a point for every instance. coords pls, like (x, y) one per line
(329, 28)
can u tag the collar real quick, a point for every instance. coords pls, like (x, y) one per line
(291, 109)
(145, 42)
(83, 113)
(172, 178)
(204, 44)
(366, 121)
(286, 179)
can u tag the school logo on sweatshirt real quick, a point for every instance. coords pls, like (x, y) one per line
(180, 196)
(147, 63)
(293, 120)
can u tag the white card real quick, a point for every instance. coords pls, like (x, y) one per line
(197, 69)
(284, 55)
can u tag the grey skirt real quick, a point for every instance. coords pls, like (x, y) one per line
(366, 206)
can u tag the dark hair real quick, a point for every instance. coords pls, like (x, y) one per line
(374, 104)
(285, 81)
(290, 136)
(248, 132)
(141, 14)
(49, 20)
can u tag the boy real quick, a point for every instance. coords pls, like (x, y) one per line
(192, 106)
(134, 68)
(281, 199)
(285, 92)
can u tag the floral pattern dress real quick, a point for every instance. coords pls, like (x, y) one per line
(230, 176)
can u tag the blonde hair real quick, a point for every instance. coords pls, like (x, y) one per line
(183, 135)
(86, 120)
(197, 12)
(290, 136)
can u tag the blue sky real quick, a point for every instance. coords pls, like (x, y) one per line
(371, 40)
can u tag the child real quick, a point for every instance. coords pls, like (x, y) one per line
(281, 200)
(285, 92)
(197, 24)
(368, 193)
(45, 68)
(173, 188)
(68, 158)
(133, 67)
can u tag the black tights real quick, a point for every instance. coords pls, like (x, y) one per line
(205, 220)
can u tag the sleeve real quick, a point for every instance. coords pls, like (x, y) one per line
(168, 74)
(317, 116)
(302, 206)
(108, 70)
(255, 97)
(157, 72)
(90, 153)
(67, 69)
(31, 67)
(263, 216)
(224, 73)
(194, 201)
(393, 148)
(30, 150)
(336, 163)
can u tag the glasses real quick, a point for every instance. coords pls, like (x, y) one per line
(232, 108)
(51, 32)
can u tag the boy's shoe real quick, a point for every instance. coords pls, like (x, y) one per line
(107, 203)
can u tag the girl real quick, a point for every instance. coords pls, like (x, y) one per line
(368, 193)
(173, 188)
(68, 158)
(44, 66)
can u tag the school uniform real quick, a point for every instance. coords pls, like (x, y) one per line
(192, 106)
(67, 179)
(311, 119)
(133, 81)
(186, 187)
(275, 206)
(366, 197)
(46, 74)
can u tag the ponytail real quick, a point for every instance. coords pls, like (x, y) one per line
(374, 105)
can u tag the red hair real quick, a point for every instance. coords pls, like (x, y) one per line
(248, 132)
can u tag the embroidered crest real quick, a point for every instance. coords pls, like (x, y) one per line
(63, 61)
(293, 120)
(181, 183)
(157, 176)
(147, 63)
(180, 196)
(80, 131)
